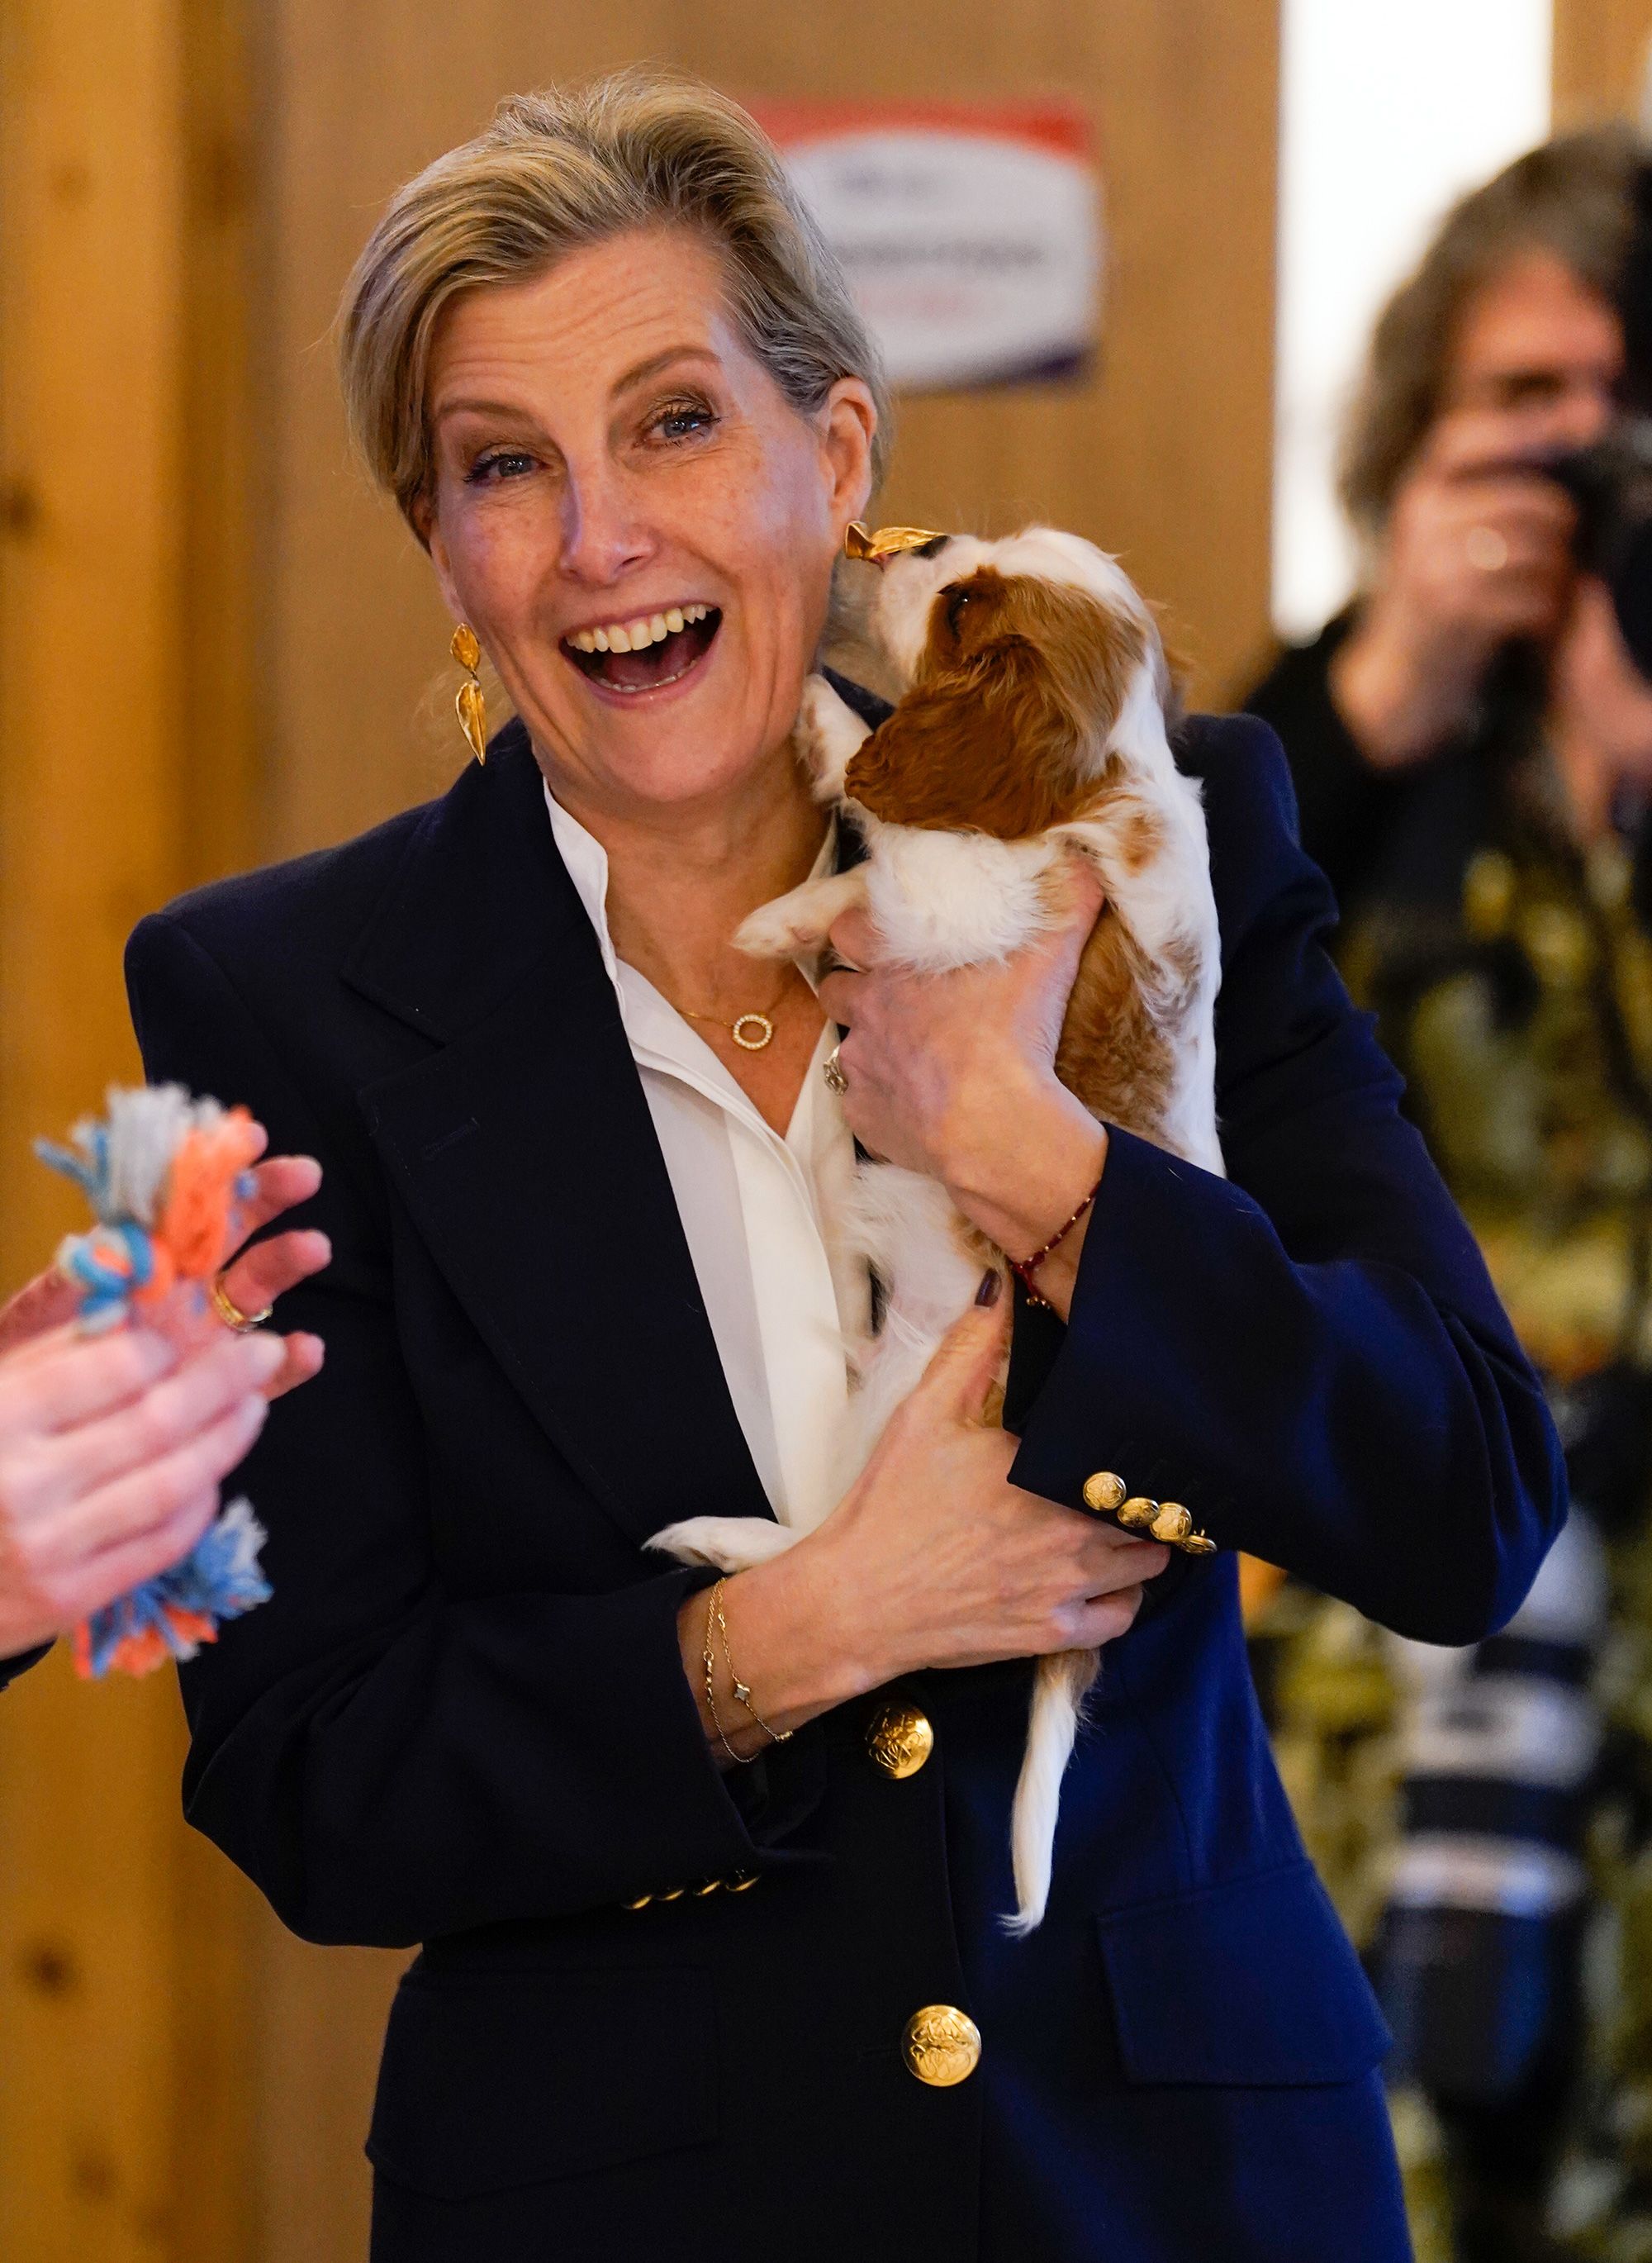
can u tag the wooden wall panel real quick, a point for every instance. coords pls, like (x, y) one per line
(123, 767)
(1600, 56)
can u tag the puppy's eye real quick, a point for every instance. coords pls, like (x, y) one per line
(957, 598)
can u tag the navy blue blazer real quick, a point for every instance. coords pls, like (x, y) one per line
(463, 1721)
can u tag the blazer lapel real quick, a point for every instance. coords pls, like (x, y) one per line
(525, 1150)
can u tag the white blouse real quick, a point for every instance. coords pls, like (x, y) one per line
(757, 1212)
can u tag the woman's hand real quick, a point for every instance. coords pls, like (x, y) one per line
(931, 1560)
(1477, 550)
(112, 1448)
(953, 1075)
(252, 1281)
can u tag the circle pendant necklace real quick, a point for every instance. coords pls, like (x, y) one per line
(752, 1032)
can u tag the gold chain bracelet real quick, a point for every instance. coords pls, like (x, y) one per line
(708, 1659)
(742, 1690)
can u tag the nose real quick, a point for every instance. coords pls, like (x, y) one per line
(605, 532)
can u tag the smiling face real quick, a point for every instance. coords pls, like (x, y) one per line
(636, 521)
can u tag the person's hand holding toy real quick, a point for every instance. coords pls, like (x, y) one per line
(133, 1378)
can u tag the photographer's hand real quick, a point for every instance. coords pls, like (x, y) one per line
(1477, 552)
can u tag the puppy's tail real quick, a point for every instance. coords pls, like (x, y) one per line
(1060, 1687)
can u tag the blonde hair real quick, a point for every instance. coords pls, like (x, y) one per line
(568, 167)
(1571, 197)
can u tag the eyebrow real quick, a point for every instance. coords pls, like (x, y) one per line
(655, 363)
(469, 405)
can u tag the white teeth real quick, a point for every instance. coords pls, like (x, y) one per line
(637, 635)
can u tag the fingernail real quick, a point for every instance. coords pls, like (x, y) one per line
(991, 1287)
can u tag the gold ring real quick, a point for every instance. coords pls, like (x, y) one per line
(831, 1069)
(230, 1312)
(1485, 549)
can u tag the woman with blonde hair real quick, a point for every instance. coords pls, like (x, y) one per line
(710, 1876)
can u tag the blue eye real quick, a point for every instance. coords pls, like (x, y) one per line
(498, 463)
(683, 419)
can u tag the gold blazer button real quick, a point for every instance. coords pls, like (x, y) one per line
(942, 2045)
(1104, 1491)
(899, 1740)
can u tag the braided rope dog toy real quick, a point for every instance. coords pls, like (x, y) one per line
(167, 1177)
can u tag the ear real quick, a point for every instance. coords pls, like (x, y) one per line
(991, 754)
(848, 427)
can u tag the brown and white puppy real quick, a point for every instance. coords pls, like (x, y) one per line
(1030, 729)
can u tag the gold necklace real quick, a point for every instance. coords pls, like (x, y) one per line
(763, 1023)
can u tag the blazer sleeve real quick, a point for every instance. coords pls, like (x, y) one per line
(389, 1761)
(1308, 1354)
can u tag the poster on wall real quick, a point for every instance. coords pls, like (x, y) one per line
(970, 232)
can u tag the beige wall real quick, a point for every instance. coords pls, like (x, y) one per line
(215, 647)
(1600, 51)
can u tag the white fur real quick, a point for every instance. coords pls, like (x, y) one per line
(943, 899)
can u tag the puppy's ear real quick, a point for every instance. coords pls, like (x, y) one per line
(950, 757)
(1008, 735)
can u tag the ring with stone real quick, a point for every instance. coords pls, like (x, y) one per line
(1485, 549)
(831, 1069)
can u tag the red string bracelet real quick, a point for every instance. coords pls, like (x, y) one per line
(1024, 1268)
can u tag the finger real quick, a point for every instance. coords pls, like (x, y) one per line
(270, 1269)
(143, 1498)
(1519, 604)
(1469, 439)
(71, 1378)
(853, 938)
(1106, 1621)
(1502, 500)
(1082, 891)
(112, 1571)
(74, 1463)
(306, 1356)
(840, 995)
(46, 1301)
(279, 1185)
(1127, 1563)
(965, 1363)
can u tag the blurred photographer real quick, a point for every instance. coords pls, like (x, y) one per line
(1472, 747)
(1504, 347)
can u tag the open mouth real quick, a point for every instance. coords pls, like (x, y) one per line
(646, 653)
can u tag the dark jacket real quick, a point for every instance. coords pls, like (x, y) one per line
(1399, 836)
(464, 1721)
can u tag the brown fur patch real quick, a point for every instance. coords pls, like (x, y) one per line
(1140, 838)
(1111, 1053)
(1004, 730)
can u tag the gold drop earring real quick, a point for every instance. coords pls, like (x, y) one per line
(471, 707)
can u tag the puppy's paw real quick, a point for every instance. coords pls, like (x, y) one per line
(728, 1544)
(798, 923)
(827, 735)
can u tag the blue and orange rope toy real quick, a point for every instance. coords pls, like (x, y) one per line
(167, 1177)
